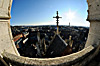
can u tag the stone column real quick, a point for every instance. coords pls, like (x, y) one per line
(57, 30)
(94, 19)
(6, 39)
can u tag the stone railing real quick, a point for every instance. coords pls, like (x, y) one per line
(79, 58)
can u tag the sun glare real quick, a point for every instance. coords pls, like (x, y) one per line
(70, 15)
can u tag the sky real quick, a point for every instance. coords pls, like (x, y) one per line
(41, 12)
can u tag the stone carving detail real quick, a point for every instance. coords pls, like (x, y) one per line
(5, 6)
(94, 10)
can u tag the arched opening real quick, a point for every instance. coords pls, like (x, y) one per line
(8, 50)
(74, 36)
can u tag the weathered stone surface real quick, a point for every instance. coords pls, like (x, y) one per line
(6, 40)
(14, 59)
(90, 57)
(94, 18)
(93, 10)
(94, 33)
(5, 7)
(7, 44)
(62, 61)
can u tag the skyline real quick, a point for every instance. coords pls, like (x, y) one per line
(41, 12)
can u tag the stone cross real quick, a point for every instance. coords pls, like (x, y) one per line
(57, 17)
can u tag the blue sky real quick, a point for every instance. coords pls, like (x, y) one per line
(41, 12)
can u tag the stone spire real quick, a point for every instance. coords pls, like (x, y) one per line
(57, 17)
(69, 24)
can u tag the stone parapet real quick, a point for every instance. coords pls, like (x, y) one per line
(72, 59)
(10, 54)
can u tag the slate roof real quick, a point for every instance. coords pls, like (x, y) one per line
(57, 47)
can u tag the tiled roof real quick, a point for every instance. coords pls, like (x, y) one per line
(57, 47)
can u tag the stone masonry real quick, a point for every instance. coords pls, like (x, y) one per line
(9, 52)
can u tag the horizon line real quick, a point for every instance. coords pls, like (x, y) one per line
(50, 25)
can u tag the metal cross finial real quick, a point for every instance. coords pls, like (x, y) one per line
(57, 17)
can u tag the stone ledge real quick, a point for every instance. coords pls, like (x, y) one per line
(13, 59)
(94, 18)
(64, 60)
